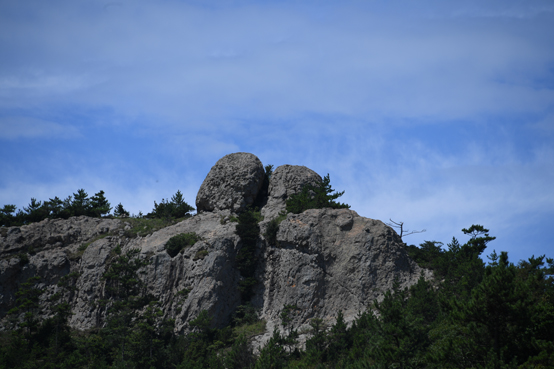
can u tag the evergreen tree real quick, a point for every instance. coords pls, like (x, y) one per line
(7, 219)
(248, 230)
(120, 212)
(315, 197)
(80, 204)
(176, 208)
(124, 297)
(99, 205)
(179, 208)
(34, 212)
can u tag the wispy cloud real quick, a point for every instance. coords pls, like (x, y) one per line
(12, 127)
(436, 113)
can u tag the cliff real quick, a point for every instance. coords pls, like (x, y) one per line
(323, 260)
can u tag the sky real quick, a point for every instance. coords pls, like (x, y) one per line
(438, 114)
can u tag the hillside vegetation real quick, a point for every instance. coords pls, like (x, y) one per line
(472, 315)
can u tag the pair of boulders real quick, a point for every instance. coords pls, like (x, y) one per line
(236, 180)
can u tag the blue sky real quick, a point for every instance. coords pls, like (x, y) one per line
(438, 114)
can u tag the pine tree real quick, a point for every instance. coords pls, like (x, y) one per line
(315, 197)
(99, 205)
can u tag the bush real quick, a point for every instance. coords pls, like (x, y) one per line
(200, 254)
(177, 243)
(315, 197)
(176, 208)
(273, 227)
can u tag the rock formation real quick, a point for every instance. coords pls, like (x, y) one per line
(285, 181)
(232, 184)
(324, 260)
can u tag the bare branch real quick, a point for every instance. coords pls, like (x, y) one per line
(400, 226)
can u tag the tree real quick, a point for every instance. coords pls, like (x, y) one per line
(179, 208)
(7, 218)
(125, 295)
(55, 208)
(34, 212)
(400, 225)
(81, 203)
(62, 307)
(99, 205)
(28, 304)
(176, 208)
(315, 197)
(120, 212)
(248, 230)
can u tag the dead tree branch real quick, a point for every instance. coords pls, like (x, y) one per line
(400, 226)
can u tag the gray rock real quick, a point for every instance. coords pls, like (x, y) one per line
(232, 184)
(329, 260)
(285, 181)
(325, 260)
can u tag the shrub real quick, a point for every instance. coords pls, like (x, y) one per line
(315, 197)
(273, 227)
(200, 254)
(177, 243)
(176, 208)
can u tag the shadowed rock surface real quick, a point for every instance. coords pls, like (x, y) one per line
(324, 260)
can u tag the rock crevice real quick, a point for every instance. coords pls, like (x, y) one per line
(324, 260)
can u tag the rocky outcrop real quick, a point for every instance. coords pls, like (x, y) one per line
(324, 260)
(232, 184)
(285, 181)
(328, 260)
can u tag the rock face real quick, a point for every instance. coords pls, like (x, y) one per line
(285, 181)
(328, 260)
(232, 184)
(324, 260)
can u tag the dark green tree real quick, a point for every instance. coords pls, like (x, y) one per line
(35, 212)
(62, 307)
(315, 197)
(99, 205)
(27, 305)
(120, 212)
(125, 296)
(248, 230)
(176, 208)
(179, 208)
(80, 204)
(7, 217)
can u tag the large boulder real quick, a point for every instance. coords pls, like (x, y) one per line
(232, 184)
(285, 181)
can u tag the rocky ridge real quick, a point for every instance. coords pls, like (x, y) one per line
(324, 260)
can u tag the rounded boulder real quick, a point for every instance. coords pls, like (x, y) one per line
(232, 184)
(285, 181)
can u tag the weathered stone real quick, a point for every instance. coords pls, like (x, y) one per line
(232, 184)
(324, 260)
(328, 260)
(285, 181)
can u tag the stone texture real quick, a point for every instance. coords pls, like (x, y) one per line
(328, 260)
(232, 184)
(285, 181)
(325, 260)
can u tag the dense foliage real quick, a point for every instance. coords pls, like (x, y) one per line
(81, 204)
(248, 230)
(176, 208)
(471, 315)
(315, 197)
(178, 243)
